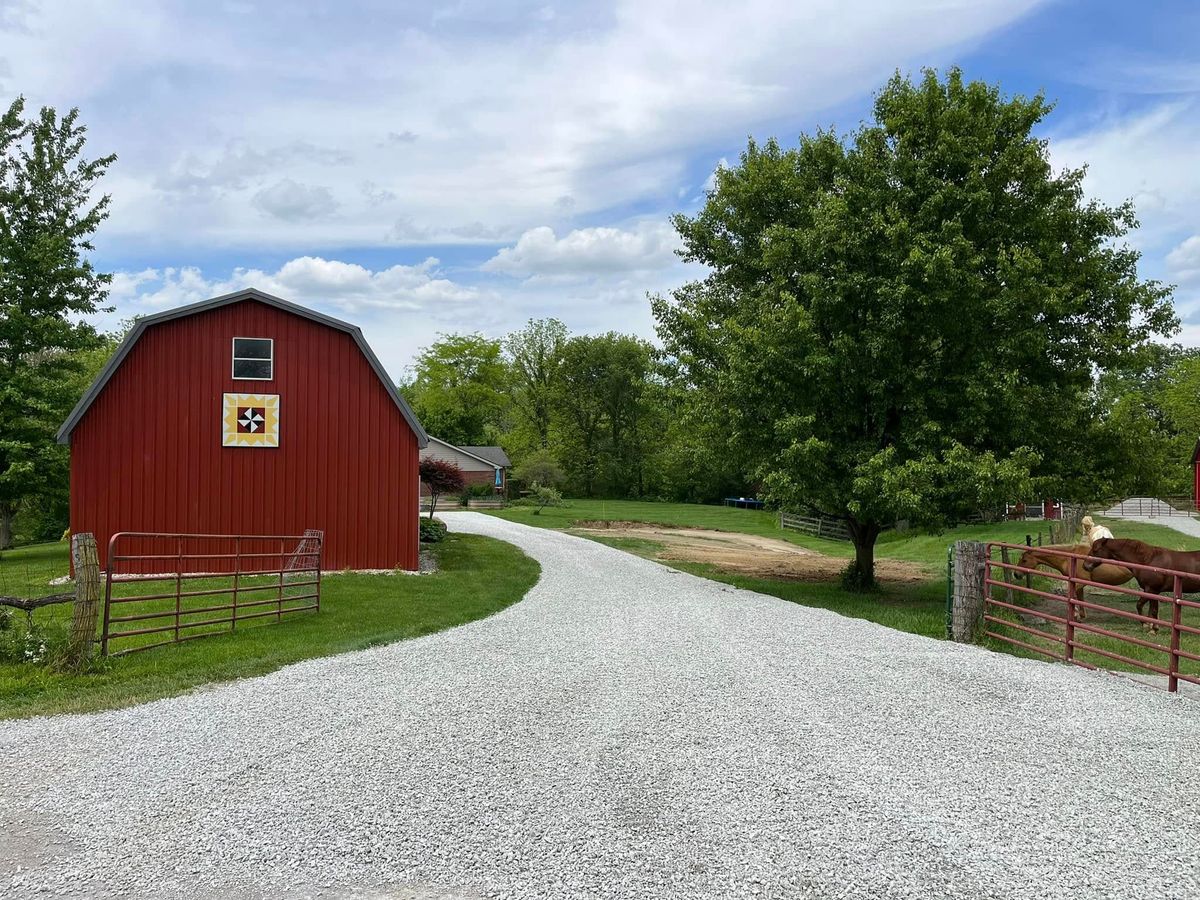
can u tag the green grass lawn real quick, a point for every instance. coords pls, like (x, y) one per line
(477, 576)
(26, 571)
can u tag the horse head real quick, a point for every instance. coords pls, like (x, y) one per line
(1100, 550)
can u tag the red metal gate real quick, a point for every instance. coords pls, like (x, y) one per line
(213, 583)
(1008, 601)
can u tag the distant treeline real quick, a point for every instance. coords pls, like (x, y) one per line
(601, 414)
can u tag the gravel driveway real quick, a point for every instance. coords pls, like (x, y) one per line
(626, 731)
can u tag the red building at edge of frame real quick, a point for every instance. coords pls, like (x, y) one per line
(247, 414)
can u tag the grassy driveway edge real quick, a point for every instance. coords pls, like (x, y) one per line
(477, 576)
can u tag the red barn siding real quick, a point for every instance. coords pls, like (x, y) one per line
(147, 454)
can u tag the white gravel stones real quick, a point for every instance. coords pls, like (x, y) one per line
(626, 731)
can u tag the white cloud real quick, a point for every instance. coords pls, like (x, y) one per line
(403, 308)
(1184, 260)
(710, 184)
(487, 115)
(309, 280)
(239, 164)
(588, 251)
(1149, 157)
(291, 201)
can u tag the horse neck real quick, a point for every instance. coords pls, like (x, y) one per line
(1044, 556)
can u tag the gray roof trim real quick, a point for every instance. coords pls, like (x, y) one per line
(495, 455)
(464, 452)
(64, 433)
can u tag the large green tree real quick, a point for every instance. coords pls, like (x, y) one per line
(607, 421)
(1145, 424)
(460, 389)
(905, 322)
(535, 352)
(579, 411)
(49, 210)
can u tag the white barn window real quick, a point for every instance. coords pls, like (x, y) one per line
(253, 359)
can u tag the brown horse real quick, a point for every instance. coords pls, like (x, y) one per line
(1104, 573)
(1131, 551)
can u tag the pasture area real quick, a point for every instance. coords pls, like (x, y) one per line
(916, 605)
(476, 576)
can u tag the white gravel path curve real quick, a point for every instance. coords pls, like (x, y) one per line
(626, 731)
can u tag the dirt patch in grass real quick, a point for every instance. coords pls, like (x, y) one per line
(748, 554)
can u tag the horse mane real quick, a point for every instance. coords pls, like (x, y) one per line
(1138, 551)
(1057, 549)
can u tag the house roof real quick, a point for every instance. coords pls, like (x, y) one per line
(142, 324)
(470, 451)
(495, 455)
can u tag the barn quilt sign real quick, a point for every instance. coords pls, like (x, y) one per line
(250, 420)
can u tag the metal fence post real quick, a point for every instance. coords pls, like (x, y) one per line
(950, 593)
(1069, 633)
(178, 584)
(970, 560)
(1176, 619)
(108, 579)
(1008, 577)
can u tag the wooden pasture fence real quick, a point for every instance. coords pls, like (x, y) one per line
(817, 526)
(86, 597)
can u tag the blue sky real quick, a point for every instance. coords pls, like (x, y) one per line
(423, 168)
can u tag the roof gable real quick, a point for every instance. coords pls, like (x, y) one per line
(495, 455)
(465, 451)
(142, 324)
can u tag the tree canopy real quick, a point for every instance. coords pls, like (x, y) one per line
(48, 212)
(905, 322)
(460, 389)
(440, 477)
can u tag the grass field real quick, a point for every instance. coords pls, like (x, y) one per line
(477, 576)
(923, 548)
(918, 608)
(683, 515)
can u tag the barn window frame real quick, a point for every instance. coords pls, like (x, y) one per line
(270, 359)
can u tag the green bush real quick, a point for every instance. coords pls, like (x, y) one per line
(26, 640)
(433, 531)
(545, 496)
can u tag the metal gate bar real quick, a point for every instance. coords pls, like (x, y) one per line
(294, 566)
(1066, 644)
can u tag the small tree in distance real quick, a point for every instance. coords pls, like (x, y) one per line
(440, 476)
(540, 468)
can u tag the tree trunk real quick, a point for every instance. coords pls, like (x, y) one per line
(6, 521)
(862, 574)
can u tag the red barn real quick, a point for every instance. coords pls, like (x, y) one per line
(247, 414)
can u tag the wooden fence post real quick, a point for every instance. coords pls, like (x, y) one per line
(967, 611)
(87, 601)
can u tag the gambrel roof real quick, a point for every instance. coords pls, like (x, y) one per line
(191, 309)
